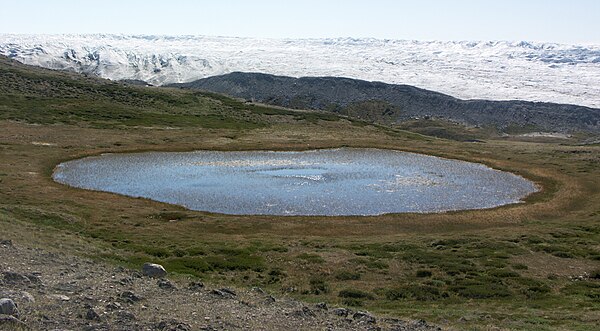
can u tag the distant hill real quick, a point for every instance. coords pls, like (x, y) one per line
(392, 104)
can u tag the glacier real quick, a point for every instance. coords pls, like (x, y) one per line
(498, 70)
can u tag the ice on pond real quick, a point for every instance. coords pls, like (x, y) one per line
(343, 181)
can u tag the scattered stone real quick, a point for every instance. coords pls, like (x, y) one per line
(8, 322)
(67, 288)
(364, 317)
(15, 278)
(258, 290)
(114, 306)
(222, 293)
(343, 312)
(120, 269)
(28, 297)
(153, 270)
(291, 289)
(321, 305)
(92, 315)
(165, 284)
(423, 325)
(305, 312)
(228, 291)
(34, 278)
(126, 281)
(172, 325)
(126, 315)
(129, 297)
(269, 299)
(418, 325)
(194, 286)
(59, 297)
(8, 307)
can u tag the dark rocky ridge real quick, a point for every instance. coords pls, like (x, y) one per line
(390, 104)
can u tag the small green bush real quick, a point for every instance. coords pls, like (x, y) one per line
(503, 273)
(482, 291)
(347, 275)
(352, 302)
(355, 294)
(370, 263)
(565, 255)
(311, 258)
(416, 292)
(520, 266)
(318, 286)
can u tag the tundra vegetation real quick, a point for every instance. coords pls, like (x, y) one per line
(528, 266)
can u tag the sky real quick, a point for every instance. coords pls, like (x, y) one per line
(563, 21)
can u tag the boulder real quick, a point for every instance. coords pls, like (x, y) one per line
(224, 293)
(8, 307)
(173, 325)
(343, 312)
(364, 317)
(321, 305)
(165, 284)
(59, 297)
(15, 278)
(195, 286)
(304, 313)
(129, 297)
(153, 270)
(92, 315)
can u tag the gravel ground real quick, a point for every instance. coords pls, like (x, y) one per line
(55, 291)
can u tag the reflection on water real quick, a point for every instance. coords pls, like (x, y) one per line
(342, 181)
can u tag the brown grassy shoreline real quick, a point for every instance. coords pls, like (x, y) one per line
(307, 252)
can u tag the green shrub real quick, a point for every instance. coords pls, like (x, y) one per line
(416, 292)
(231, 263)
(347, 275)
(423, 273)
(370, 263)
(275, 276)
(311, 258)
(563, 254)
(318, 286)
(503, 273)
(352, 302)
(355, 294)
(520, 266)
(482, 291)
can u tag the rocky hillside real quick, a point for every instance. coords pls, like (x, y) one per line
(392, 104)
(55, 291)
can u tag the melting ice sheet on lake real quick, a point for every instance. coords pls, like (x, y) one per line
(322, 182)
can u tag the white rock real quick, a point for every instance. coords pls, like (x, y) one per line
(153, 270)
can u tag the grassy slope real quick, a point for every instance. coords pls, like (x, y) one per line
(511, 267)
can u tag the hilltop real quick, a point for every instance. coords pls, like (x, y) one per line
(390, 104)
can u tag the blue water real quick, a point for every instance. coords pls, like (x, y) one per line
(342, 181)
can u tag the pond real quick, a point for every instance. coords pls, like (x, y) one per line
(344, 181)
